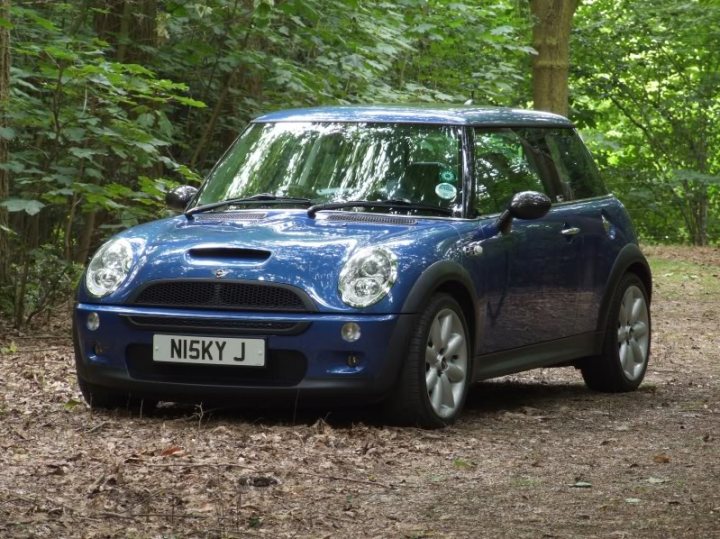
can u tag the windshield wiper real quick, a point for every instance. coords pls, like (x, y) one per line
(389, 204)
(262, 198)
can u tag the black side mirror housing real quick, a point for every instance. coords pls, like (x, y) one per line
(178, 198)
(524, 205)
(529, 205)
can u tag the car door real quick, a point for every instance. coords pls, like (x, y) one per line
(595, 214)
(531, 272)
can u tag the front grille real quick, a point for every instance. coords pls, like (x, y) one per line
(205, 294)
(283, 368)
(218, 326)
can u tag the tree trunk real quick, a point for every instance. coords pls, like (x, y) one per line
(210, 127)
(700, 151)
(4, 154)
(124, 34)
(128, 25)
(83, 251)
(551, 37)
(699, 203)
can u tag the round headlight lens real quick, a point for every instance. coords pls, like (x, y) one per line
(109, 267)
(368, 276)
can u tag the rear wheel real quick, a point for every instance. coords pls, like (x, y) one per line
(435, 376)
(626, 350)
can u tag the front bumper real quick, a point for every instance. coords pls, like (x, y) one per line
(306, 357)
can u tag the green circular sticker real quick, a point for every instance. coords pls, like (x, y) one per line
(446, 191)
(447, 176)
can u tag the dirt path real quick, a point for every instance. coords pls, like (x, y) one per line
(535, 455)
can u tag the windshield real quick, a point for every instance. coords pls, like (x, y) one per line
(336, 162)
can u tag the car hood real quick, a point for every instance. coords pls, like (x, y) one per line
(285, 247)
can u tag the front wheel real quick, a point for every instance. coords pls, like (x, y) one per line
(626, 350)
(101, 398)
(436, 374)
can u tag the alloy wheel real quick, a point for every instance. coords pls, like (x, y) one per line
(633, 336)
(446, 362)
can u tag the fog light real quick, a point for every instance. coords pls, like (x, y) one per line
(353, 361)
(350, 332)
(93, 321)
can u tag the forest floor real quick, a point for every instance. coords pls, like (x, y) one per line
(534, 455)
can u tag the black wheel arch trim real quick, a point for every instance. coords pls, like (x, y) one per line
(449, 277)
(629, 259)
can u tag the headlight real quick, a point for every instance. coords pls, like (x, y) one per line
(368, 276)
(109, 267)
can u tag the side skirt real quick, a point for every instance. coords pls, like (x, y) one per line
(554, 353)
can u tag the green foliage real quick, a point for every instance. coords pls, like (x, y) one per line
(31, 207)
(111, 107)
(38, 282)
(89, 136)
(243, 60)
(83, 124)
(646, 77)
(467, 50)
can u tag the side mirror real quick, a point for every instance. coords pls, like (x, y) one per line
(524, 205)
(178, 198)
(529, 205)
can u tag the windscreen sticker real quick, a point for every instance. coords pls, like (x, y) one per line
(446, 191)
(447, 176)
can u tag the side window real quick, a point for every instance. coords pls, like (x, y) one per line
(574, 164)
(503, 167)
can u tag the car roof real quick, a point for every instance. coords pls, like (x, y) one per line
(431, 114)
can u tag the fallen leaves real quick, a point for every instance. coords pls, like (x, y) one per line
(172, 451)
(260, 481)
(534, 453)
(71, 404)
(656, 480)
(462, 464)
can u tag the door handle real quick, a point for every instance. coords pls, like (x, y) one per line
(473, 249)
(570, 231)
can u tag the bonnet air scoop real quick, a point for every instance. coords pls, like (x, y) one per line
(229, 253)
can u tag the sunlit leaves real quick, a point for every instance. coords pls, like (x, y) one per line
(82, 122)
(646, 74)
(93, 133)
(31, 207)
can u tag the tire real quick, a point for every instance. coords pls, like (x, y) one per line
(626, 348)
(433, 384)
(101, 398)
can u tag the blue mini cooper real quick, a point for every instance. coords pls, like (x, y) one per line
(371, 254)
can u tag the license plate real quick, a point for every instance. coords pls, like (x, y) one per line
(209, 350)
